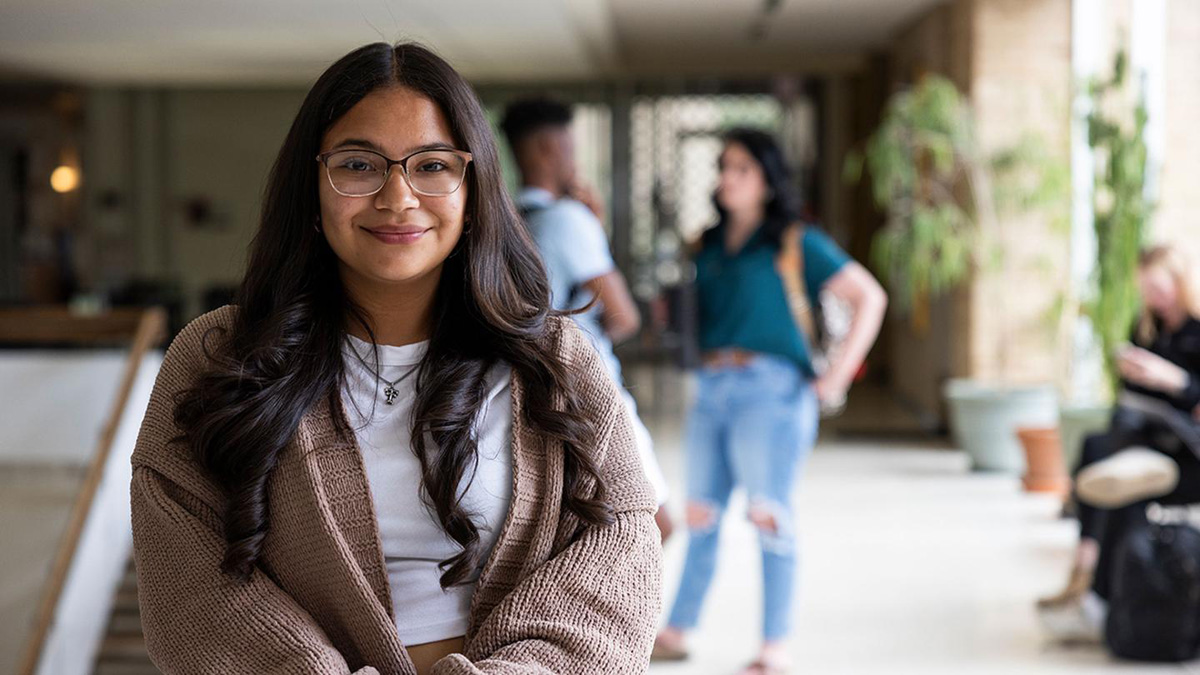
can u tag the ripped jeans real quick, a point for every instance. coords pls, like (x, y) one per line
(751, 426)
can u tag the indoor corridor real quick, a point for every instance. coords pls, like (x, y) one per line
(911, 564)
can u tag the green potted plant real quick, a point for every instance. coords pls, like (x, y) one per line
(943, 202)
(918, 159)
(1116, 134)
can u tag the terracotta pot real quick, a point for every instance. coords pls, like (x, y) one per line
(1046, 470)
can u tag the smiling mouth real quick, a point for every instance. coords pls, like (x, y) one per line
(405, 236)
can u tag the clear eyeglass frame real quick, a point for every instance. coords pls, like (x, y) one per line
(467, 158)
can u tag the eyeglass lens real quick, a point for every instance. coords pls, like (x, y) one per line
(360, 172)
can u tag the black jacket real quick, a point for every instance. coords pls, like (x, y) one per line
(1182, 348)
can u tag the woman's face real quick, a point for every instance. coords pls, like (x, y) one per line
(1159, 290)
(394, 121)
(742, 186)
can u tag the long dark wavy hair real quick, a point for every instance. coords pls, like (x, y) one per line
(283, 353)
(783, 208)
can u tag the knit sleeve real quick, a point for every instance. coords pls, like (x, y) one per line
(594, 607)
(194, 618)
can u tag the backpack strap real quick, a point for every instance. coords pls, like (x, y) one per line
(527, 210)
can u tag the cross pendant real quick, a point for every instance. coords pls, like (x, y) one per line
(390, 393)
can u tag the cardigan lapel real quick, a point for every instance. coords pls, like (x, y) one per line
(326, 546)
(525, 541)
(343, 478)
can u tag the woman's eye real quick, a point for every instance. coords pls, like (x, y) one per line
(432, 167)
(357, 165)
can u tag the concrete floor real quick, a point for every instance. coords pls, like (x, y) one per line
(911, 564)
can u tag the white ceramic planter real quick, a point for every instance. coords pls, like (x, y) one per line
(984, 419)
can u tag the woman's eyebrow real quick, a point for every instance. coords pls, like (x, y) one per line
(361, 143)
(358, 142)
(436, 145)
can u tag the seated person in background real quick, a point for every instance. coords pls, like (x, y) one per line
(1150, 450)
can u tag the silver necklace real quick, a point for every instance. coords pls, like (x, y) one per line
(390, 392)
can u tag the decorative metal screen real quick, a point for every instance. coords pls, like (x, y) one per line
(676, 142)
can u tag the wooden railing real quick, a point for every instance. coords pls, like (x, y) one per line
(145, 329)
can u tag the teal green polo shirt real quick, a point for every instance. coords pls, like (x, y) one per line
(741, 298)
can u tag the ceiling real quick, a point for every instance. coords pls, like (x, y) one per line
(290, 41)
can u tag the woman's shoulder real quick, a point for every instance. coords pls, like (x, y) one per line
(567, 339)
(575, 350)
(218, 320)
(189, 351)
(558, 328)
(813, 236)
(158, 446)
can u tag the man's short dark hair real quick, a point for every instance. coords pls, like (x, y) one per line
(526, 116)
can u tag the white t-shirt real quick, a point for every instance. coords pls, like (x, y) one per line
(574, 249)
(413, 540)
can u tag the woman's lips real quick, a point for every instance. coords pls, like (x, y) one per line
(397, 237)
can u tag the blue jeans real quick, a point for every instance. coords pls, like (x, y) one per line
(752, 427)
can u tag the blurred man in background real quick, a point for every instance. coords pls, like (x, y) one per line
(564, 218)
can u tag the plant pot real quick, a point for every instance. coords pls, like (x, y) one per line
(1076, 422)
(984, 419)
(1044, 467)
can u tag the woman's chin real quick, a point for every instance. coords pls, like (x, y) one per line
(732, 206)
(391, 274)
(405, 274)
(396, 279)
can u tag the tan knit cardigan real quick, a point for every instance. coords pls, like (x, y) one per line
(554, 596)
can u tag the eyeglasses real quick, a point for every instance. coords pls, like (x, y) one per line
(361, 173)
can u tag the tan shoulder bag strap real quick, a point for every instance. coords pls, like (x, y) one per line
(790, 265)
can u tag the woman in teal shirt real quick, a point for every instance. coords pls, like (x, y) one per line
(754, 420)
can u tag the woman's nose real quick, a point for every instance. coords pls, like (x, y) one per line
(396, 194)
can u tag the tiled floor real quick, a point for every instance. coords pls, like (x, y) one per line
(912, 565)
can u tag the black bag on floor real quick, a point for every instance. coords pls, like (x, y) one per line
(1154, 604)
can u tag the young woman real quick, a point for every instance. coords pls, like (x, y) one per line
(389, 456)
(1139, 457)
(755, 416)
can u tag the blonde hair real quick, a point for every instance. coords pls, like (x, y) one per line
(1172, 261)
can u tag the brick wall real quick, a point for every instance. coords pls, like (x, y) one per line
(1178, 217)
(1020, 84)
